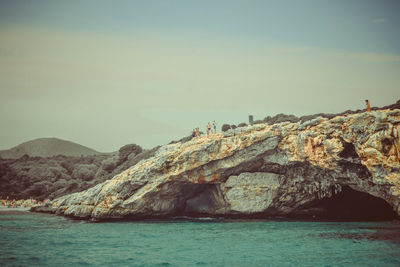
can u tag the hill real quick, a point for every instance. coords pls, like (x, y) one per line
(47, 147)
(52, 177)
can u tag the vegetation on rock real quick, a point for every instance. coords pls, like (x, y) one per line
(52, 177)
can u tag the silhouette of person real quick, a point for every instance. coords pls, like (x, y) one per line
(368, 107)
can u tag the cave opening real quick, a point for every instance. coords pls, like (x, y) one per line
(350, 204)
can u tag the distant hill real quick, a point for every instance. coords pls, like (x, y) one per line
(47, 147)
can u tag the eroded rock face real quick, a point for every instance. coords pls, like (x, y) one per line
(274, 170)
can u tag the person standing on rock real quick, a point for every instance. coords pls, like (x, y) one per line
(368, 107)
(215, 127)
(193, 133)
(208, 129)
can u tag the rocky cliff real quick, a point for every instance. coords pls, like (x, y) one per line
(264, 170)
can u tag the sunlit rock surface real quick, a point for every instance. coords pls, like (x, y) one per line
(273, 170)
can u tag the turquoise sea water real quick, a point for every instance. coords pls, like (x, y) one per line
(29, 239)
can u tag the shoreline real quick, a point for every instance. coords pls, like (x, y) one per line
(18, 210)
(5, 209)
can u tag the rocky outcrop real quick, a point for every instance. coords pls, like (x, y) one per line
(265, 170)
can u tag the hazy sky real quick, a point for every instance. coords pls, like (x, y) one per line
(108, 73)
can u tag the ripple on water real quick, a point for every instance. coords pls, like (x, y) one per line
(56, 241)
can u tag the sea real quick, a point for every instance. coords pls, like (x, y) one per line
(34, 239)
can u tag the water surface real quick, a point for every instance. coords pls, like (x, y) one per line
(30, 239)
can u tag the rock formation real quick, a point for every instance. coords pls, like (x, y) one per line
(264, 170)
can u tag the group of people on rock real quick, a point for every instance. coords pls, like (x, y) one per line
(213, 129)
(209, 130)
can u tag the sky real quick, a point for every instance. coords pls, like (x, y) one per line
(108, 73)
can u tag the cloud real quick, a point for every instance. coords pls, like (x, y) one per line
(378, 20)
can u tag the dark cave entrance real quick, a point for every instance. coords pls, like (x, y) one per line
(353, 205)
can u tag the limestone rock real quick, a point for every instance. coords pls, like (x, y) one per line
(261, 169)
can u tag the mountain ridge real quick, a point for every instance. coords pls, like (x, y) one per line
(47, 147)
